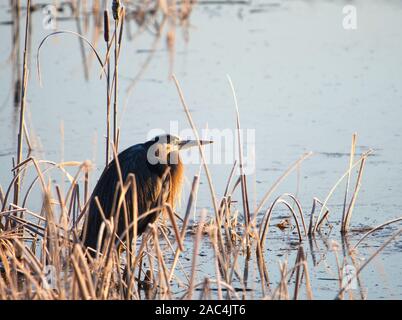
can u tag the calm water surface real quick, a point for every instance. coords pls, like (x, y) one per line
(303, 84)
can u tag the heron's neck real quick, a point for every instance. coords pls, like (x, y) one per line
(176, 182)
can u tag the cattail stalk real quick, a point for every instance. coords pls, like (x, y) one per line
(116, 16)
(25, 73)
(107, 39)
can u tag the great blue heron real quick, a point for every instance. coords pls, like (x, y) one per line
(158, 174)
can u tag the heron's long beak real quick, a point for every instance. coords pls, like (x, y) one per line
(185, 144)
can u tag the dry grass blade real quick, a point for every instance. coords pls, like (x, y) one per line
(66, 32)
(204, 163)
(348, 215)
(375, 229)
(108, 99)
(267, 218)
(324, 205)
(351, 158)
(191, 200)
(246, 209)
(395, 235)
(301, 261)
(25, 73)
(195, 254)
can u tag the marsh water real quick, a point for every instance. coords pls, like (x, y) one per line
(303, 83)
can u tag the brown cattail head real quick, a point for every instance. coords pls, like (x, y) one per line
(116, 9)
(106, 26)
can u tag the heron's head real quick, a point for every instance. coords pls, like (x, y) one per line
(164, 149)
(163, 156)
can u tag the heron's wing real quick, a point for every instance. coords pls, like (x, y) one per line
(132, 160)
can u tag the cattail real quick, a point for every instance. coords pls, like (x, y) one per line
(106, 26)
(116, 9)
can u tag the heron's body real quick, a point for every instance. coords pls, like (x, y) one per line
(156, 184)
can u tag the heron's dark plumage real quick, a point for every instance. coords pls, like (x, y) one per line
(151, 180)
